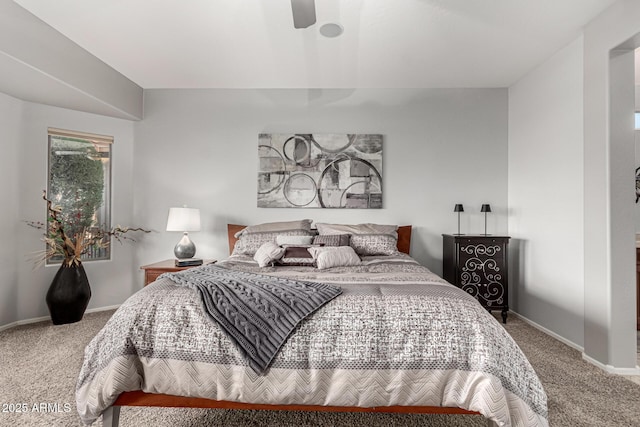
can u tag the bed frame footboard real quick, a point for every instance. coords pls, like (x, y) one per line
(111, 416)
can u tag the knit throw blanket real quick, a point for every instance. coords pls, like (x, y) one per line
(257, 312)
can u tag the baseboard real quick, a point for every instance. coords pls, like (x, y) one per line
(106, 308)
(607, 368)
(549, 332)
(24, 322)
(611, 369)
(45, 318)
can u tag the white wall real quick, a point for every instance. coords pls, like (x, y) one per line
(10, 119)
(441, 147)
(608, 210)
(637, 141)
(111, 281)
(622, 226)
(546, 193)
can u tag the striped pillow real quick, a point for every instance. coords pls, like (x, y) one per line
(332, 240)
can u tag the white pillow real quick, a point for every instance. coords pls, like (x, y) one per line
(268, 253)
(334, 256)
(294, 240)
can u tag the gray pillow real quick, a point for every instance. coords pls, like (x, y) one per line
(297, 252)
(249, 243)
(297, 256)
(352, 229)
(271, 227)
(374, 244)
(332, 240)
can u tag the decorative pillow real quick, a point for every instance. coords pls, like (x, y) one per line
(374, 244)
(298, 256)
(332, 240)
(294, 240)
(272, 227)
(366, 239)
(352, 229)
(336, 256)
(268, 253)
(249, 243)
(297, 252)
(297, 262)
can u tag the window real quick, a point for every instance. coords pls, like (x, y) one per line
(637, 115)
(79, 182)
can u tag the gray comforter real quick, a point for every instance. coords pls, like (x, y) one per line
(258, 312)
(398, 335)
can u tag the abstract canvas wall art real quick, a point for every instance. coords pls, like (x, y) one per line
(320, 171)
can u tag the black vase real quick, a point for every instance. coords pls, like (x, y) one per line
(68, 295)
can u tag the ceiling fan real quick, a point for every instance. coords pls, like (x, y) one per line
(304, 13)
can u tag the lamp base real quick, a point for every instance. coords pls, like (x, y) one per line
(185, 248)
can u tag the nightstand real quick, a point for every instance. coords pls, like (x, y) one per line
(478, 264)
(152, 271)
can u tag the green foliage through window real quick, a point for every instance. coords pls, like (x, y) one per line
(79, 183)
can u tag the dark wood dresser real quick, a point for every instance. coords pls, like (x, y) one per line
(478, 264)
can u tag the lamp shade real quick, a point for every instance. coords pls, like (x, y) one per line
(485, 208)
(183, 219)
(458, 208)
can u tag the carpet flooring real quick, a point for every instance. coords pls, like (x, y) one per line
(39, 364)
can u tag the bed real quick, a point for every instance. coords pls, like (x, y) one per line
(402, 340)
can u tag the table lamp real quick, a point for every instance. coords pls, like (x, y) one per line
(184, 219)
(485, 208)
(458, 208)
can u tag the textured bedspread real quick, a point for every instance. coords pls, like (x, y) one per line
(398, 335)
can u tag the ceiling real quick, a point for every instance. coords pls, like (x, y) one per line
(385, 44)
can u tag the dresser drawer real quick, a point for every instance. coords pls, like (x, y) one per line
(151, 276)
(152, 271)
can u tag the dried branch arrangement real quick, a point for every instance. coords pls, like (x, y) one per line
(71, 246)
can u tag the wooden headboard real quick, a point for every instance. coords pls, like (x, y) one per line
(232, 229)
(404, 237)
